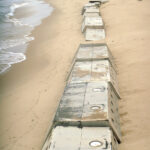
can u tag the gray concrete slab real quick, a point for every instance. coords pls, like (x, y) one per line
(89, 14)
(87, 138)
(92, 4)
(89, 104)
(63, 138)
(98, 51)
(73, 96)
(92, 23)
(94, 34)
(95, 70)
(91, 9)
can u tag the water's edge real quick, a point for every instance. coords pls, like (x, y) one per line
(18, 18)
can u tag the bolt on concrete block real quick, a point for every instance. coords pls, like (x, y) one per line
(95, 70)
(89, 104)
(92, 23)
(90, 138)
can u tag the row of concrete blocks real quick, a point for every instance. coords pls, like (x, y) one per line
(88, 115)
(92, 26)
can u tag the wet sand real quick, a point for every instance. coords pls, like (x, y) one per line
(30, 91)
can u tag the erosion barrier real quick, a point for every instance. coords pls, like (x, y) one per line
(88, 113)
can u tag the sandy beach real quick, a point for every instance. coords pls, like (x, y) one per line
(128, 34)
(30, 91)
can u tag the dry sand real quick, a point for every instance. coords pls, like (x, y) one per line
(128, 35)
(30, 91)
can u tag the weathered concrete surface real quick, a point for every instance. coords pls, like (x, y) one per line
(95, 70)
(92, 23)
(90, 9)
(94, 34)
(89, 14)
(89, 104)
(71, 105)
(92, 26)
(98, 51)
(87, 138)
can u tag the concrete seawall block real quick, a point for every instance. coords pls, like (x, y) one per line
(73, 138)
(96, 51)
(91, 7)
(92, 23)
(91, 10)
(94, 34)
(89, 104)
(95, 70)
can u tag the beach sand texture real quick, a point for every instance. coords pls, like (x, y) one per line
(30, 91)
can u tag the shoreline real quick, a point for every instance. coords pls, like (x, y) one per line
(31, 90)
(23, 18)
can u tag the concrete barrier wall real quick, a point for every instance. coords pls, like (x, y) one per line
(88, 14)
(90, 6)
(97, 51)
(89, 104)
(87, 138)
(88, 114)
(92, 26)
(95, 70)
(95, 22)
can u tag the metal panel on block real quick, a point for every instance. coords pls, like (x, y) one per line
(87, 138)
(92, 23)
(94, 34)
(94, 52)
(95, 70)
(89, 104)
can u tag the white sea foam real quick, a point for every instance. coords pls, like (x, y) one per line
(20, 31)
(4, 68)
(5, 44)
(9, 58)
(14, 7)
(18, 22)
